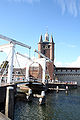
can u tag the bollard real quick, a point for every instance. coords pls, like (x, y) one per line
(42, 98)
(9, 104)
(43, 93)
(29, 95)
(30, 91)
(66, 89)
(0, 81)
(57, 89)
(52, 81)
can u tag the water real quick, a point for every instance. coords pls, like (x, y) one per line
(59, 106)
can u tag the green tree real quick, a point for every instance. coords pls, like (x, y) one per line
(4, 64)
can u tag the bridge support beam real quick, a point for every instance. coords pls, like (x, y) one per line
(10, 69)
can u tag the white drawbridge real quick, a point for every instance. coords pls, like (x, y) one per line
(10, 48)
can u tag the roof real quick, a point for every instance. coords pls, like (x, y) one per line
(67, 68)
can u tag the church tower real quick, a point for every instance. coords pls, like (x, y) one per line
(46, 47)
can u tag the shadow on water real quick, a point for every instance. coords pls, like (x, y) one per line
(59, 106)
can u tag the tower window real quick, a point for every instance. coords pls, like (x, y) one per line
(48, 46)
(44, 52)
(46, 68)
(43, 46)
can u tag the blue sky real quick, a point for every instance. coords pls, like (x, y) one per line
(26, 20)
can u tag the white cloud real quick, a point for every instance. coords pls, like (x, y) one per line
(67, 45)
(71, 6)
(29, 1)
(75, 63)
(58, 64)
(62, 4)
(71, 46)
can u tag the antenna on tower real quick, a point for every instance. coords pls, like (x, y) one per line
(46, 29)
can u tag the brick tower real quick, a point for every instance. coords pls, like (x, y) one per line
(46, 47)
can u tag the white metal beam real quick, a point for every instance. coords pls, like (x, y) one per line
(23, 56)
(14, 41)
(42, 55)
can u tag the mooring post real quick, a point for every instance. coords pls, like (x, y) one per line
(29, 95)
(0, 81)
(57, 89)
(66, 89)
(42, 98)
(9, 104)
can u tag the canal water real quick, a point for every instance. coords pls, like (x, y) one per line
(59, 106)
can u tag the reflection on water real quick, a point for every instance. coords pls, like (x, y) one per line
(59, 106)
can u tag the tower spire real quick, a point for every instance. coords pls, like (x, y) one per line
(51, 39)
(41, 40)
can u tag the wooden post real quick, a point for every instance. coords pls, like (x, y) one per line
(29, 95)
(66, 89)
(0, 81)
(9, 105)
(42, 98)
(57, 89)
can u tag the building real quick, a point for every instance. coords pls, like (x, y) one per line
(59, 73)
(67, 74)
(46, 47)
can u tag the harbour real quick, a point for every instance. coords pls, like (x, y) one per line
(32, 85)
(28, 93)
(59, 106)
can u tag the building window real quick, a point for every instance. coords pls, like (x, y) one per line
(12, 72)
(17, 78)
(17, 72)
(76, 70)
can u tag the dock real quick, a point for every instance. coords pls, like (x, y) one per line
(27, 90)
